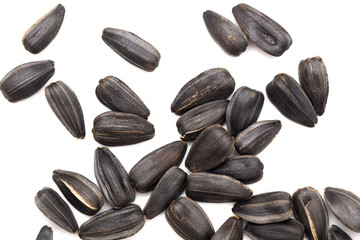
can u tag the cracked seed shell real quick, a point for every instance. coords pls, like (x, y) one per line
(231, 229)
(336, 233)
(46, 233)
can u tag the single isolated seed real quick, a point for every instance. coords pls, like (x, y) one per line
(46, 233)
(26, 79)
(336, 233)
(231, 229)
(41, 33)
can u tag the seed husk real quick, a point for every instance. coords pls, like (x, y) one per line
(244, 109)
(210, 85)
(209, 187)
(231, 229)
(310, 210)
(255, 138)
(82, 193)
(189, 220)
(290, 99)
(132, 48)
(336, 233)
(262, 30)
(66, 107)
(169, 188)
(191, 123)
(146, 173)
(265, 208)
(113, 179)
(116, 95)
(225, 33)
(56, 209)
(113, 224)
(210, 149)
(41, 33)
(246, 168)
(314, 80)
(119, 129)
(345, 205)
(288, 230)
(46, 233)
(26, 79)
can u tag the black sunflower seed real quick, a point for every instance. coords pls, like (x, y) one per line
(336, 233)
(231, 229)
(46, 233)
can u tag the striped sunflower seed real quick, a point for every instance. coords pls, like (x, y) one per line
(132, 48)
(46, 233)
(336, 233)
(231, 229)
(26, 79)
(66, 107)
(113, 179)
(56, 209)
(213, 84)
(118, 129)
(113, 224)
(82, 193)
(41, 33)
(225, 33)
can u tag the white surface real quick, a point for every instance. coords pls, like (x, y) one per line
(34, 142)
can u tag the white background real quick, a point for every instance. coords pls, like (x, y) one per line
(34, 142)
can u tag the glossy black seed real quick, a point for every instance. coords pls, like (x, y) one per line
(336, 233)
(46, 233)
(231, 229)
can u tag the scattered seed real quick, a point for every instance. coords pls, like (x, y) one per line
(336, 233)
(46, 233)
(231, 229)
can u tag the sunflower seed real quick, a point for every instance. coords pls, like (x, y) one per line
(265, 208)
(336, 233)
(66, 107)
(113, 179)
(46, 233)
(189, 220)
(210, 149)
(244, 109)
(118, 129)
(213, 84)
(26, 79)
(231, 229)
(116, 95)
(147, 172)
(257, 137)
(290, 99)
(226, 34)
(41, 33)
(288, 230)
(310, 210)
(209, 187)
(191, 123)
(345, 205)
(82, 193)
(245, 168)
(314, 80)
(262, 30)
(132, 48)
(55, 209)
(169, 188)
(113, 224)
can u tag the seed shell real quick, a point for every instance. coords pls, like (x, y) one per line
(310, 210)
(262, 30)
(290, 99)
(116, 95)
(225, 33)
(82, 193)
(255, 138)
(210, 85)
(41, 33)
(26, 79)
(119, 129)
(345, 205)
(189, 220)
(66, 107)
(191, 123)
(209, 187)
(169, 188)
(265, 208)
(132, 48)
(56, 209)
(146, 173)
(210, 149)
(113, 224)
(336, 233)
(231, 229)
(244, 109)
(113, 179)
(46, 233)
